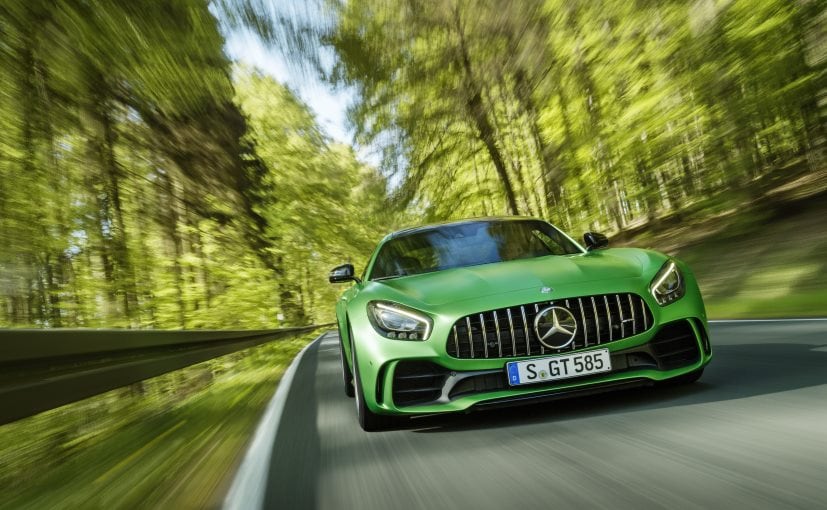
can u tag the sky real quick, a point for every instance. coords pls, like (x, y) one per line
(327, 104)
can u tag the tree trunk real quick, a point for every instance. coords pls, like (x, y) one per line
(479, 116)
(126, 274)
(52, 293)
(551, 168)
(171, 227)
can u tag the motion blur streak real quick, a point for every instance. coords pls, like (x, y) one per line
(749, 435)
(147, 181)
(168, 442)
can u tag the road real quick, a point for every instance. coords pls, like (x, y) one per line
(751, 434)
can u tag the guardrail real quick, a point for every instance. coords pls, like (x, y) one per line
(41, 369)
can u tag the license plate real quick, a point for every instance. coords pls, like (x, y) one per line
(558, 367)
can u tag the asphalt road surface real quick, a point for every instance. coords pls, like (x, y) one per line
(751, 434)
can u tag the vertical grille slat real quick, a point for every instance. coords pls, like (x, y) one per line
(470, 337)
(536, 311)
(604, 316)
(456, 342)
(526, 333)
(596, 319)
(511, 330)
(499, 337)
(484, 335)
(609, 317)
(620, 313)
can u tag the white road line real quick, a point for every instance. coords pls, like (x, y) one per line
(250, 482)
(803, 319)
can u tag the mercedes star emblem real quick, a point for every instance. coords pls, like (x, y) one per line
(555, 327)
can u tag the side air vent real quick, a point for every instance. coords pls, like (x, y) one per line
(417, 382)
(675, 345)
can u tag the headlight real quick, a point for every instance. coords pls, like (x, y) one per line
(668, 285)
(398, 322)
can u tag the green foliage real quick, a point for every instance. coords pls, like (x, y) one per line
(168, 442)
(133, 191)
(785, 274)
(321, 206)
(144, 182)
(593, 114)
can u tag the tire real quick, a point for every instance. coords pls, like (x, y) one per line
(347, 375)
(368, 420)
(684, 379)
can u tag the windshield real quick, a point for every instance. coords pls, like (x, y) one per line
(469, 244)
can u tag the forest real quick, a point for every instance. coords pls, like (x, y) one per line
(148, 181)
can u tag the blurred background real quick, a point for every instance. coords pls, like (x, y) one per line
(150, 180)
(203, 164)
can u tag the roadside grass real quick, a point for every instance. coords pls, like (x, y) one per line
(170, 442)
(799, 305)
(755, 262)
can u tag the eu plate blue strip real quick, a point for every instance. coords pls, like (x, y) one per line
(513, 373)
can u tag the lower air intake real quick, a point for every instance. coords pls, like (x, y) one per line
(417, 382)
(675, 345)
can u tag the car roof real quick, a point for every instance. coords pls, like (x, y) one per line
(434, 226)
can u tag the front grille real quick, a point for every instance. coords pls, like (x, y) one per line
(509, 332)
(675, 345)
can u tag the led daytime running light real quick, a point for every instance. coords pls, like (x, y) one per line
(406, 313)
(669, 274)
(663, 278)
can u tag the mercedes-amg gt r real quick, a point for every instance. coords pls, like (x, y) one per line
(496, 311)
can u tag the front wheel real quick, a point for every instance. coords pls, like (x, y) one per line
(368, 420)
(347, 376)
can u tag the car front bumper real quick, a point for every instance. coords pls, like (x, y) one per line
(419, 377)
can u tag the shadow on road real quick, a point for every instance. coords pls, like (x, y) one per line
(736, 372)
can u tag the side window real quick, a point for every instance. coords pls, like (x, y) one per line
(409, 263)
(552, 245)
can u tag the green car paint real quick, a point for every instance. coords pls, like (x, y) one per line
(448, 295)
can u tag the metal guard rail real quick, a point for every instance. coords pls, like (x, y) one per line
(41, 369)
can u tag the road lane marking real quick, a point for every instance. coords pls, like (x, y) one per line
(250, 482)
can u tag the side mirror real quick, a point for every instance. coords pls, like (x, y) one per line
(343, 273)
(594, 241)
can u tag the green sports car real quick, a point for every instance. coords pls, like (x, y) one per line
(498, 311)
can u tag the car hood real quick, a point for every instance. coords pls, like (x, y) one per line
(459, 284)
